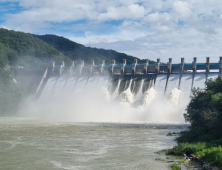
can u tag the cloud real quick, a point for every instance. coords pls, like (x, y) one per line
(121, 35)
(133, 11)
(182, 8)
(187, 43)
(158, 17)
(144, 28)
(159, 21)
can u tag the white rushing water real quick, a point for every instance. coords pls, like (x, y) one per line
(69, 86)
(148, 96)
(127, 95)
(140, 91)
(48, 88)
(160, 83)
(116, 91)
(173, 82)
(80, 84)
(185, 87)
(58, 88)
(174, 96)
(83, 99)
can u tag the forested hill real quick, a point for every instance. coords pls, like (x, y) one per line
(24, 49)
(77, 51)
(27, 50)
(21, 49)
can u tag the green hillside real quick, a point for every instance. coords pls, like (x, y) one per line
(7, 56)
(78, 52)
(9, 92)
(29, 51)
(21, 49)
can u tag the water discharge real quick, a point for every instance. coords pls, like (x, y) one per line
(185, 88)
(148, 96)
(116, 92)
(90, 99)
(174, 96)
(127, 95)
(140, 91)
(98, 122)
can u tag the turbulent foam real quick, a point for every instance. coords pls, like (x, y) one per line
(105, 93)
(174, 96)
(86, 103)
(127, 96)
(140, 91)
(148, 96)
(116, 92)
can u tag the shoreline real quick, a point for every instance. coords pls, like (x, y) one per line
(191, 153)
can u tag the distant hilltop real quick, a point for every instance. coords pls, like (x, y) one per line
(29, 50)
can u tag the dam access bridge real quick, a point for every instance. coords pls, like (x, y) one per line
(163, 76)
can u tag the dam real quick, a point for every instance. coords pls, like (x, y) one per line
(137, 79)
(105, 112)
(116, 92)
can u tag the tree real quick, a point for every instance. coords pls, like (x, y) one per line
(204, 112)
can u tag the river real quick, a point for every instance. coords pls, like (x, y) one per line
(28, 143)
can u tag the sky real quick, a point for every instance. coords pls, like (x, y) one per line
(142, 28)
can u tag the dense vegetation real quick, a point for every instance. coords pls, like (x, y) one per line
(9, 91)
(10, 94)
(204, 112)
(78, 52)
(32, 52)
(21, 49)
(7, 56)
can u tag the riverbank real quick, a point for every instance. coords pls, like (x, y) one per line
(203, 139)
(207, 155)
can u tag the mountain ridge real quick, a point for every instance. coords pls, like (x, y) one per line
(77, 51)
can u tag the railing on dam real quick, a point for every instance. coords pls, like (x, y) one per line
(138, 69)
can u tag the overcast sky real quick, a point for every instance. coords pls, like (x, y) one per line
(142, 28)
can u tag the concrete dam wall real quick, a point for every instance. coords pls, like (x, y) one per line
(165, 79)
(117, 92)
(133, 83)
